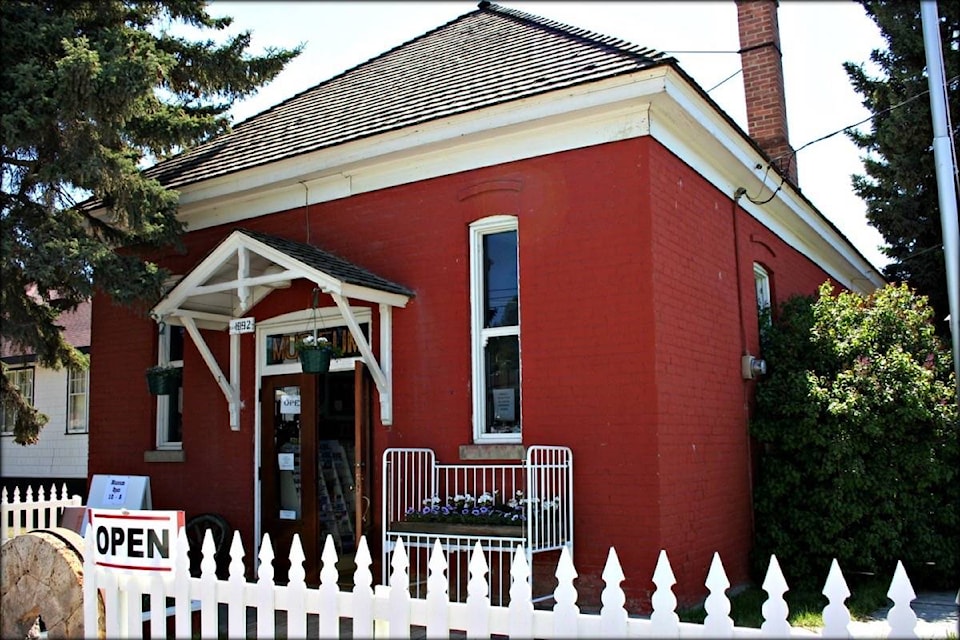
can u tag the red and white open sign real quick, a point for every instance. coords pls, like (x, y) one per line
(136, 540)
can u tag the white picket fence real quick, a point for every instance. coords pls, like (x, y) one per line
(21, 514)
(390, 612)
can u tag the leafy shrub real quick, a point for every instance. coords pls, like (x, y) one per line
(857, 431)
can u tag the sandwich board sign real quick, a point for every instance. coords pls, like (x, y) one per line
(137, 540)
(118, 492)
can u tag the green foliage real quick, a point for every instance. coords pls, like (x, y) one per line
(899, 186)
(90, 92)
(857, 426)
(867, 595)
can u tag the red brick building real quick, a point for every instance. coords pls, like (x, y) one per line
(522, 233)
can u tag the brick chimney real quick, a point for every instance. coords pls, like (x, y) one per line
(760, 58)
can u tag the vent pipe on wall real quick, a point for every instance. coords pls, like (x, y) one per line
(760, 58)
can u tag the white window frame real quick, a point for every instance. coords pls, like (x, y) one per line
(761, 283)
(480, 334)
(76, 375)
(163, 402)
(7, 429)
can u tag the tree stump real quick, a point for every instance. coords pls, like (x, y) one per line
(42, 574)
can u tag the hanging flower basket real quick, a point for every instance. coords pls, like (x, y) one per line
(315, 354)
(315, 360)
(163, 381)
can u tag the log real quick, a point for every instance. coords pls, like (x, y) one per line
(42, 575)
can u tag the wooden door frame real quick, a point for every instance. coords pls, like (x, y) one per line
(308, 470)
(363, 446)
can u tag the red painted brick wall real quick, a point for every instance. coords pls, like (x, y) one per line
(630, 350)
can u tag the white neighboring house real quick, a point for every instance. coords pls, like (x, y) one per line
(60, 457)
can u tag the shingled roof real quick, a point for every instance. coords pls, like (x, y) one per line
(328, 263)
(489, 56)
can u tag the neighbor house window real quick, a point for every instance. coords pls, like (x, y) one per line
(495, 306)
(761, 280)
(170, 407)
(78, 381)
(22, 379)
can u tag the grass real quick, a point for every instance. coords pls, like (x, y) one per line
(868, 593)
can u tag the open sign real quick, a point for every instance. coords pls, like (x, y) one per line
(135, 540)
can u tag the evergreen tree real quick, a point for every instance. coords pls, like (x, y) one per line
(900, 185)
(90, 92)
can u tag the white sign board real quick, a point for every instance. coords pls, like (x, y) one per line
(120, 492)
(289, 404)
(503, 405)
(242, 325)
(286, 462)
(135, 540)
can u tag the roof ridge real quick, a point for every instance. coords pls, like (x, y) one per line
(462, 52)
(617, 45)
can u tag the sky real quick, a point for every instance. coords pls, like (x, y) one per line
(816, 39)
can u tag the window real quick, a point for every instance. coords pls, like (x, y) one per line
(495, 306)
(761, 280)
(170, 407)
(78, 381)
(22, 379)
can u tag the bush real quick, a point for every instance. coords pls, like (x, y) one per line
(857, 432)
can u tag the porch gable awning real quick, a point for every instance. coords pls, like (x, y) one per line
(245, 268)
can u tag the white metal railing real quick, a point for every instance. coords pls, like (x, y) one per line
(390, 611)
(542, 483)
(22, 513)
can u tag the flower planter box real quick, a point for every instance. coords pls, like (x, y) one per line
(459, 529)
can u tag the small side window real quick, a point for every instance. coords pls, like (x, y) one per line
(78, 382)
(170, 407)
(761, 281)
(22, 379)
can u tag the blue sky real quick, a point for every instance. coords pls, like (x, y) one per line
(816, 38)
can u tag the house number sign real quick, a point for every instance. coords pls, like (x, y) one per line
(242, 325)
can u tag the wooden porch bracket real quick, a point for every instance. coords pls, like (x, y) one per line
(231, 389)
(382, 375)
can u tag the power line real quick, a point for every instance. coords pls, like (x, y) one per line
(792, 155)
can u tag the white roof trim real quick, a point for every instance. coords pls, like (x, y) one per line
(281, 268)
(658, 102)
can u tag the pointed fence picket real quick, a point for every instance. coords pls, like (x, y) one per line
(21, 513)
(389, 611)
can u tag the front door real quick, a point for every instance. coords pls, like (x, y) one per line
(288, 480)
(313, 446)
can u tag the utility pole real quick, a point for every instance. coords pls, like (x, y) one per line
(946, 171)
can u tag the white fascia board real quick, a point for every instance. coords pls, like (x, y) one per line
(657, 102)
(578, 117)
(689, 127)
